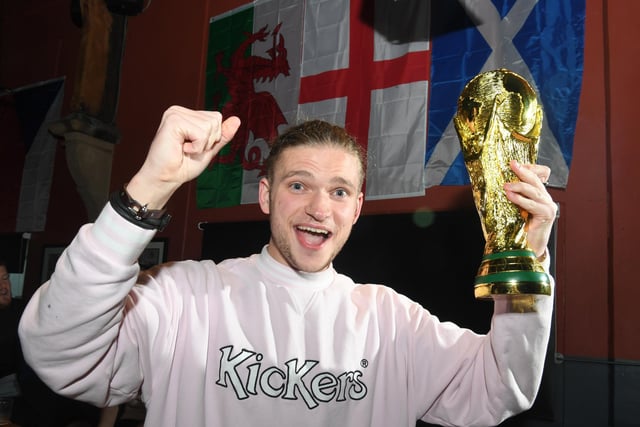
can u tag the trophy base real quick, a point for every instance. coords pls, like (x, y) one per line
(511, 273)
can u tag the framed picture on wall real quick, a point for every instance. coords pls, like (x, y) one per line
(50, 255)
(155, 253)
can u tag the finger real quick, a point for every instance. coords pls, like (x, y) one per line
(181, 126)
(536, 203)
(528, 172)
(532, 198)
(201, 131)
(213, 124)
(530, 185)
(541, 171)
(535, 192)
(221, 131)
(532, 174)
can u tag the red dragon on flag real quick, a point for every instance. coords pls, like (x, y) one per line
(259, 110)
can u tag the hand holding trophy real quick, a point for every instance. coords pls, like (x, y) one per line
(498, 120)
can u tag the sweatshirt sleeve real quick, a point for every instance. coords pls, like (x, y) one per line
(70, 328)
(486, 379)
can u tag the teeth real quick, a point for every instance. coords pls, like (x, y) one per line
(314, 230)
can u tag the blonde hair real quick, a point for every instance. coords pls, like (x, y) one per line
(315, 133)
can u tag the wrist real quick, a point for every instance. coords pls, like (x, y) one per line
(138, 213)
(150, 191)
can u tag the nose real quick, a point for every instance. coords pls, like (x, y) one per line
(319, 207)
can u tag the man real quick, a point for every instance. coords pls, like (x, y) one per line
(10, 353)
(5, 286)
(278, 338)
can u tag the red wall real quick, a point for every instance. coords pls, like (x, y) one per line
(623, 154)
(164, 65)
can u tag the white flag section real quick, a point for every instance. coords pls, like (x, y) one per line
(325, 49)
(396, 149)
(288, 14)
(396, 132)
(326, 36)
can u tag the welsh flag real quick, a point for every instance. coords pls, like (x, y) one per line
(253, 71)
(383, 70)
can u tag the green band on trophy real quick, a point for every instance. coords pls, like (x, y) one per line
(520, 253)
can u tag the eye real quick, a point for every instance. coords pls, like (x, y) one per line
(341, 192)
(296, 186)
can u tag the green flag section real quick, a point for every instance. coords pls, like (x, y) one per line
(221, 184)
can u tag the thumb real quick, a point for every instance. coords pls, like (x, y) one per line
(229, 128)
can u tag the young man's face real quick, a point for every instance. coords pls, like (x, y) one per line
(313, 201)
(5, 287)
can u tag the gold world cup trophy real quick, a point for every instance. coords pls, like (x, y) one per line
(498, 120)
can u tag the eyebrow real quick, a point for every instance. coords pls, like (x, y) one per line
(303, 173)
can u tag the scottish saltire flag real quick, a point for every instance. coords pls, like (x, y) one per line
(360, 64)
(542, 40)
(27, 150)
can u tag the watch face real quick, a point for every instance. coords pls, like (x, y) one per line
(137, 214)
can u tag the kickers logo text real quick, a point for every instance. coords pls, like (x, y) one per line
(296, 380)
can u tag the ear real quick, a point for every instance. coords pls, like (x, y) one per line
(263, 195)
(359, 203)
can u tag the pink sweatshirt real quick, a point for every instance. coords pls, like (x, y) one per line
(251, 342)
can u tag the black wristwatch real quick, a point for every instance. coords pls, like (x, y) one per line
(137, 213)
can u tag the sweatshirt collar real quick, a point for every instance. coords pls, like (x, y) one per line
(286, 276)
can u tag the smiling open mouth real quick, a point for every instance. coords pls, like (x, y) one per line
(313, 236)
(315, 231)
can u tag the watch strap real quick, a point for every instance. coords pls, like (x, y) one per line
(138, 213)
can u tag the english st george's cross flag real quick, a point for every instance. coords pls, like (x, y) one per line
(367, 64)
